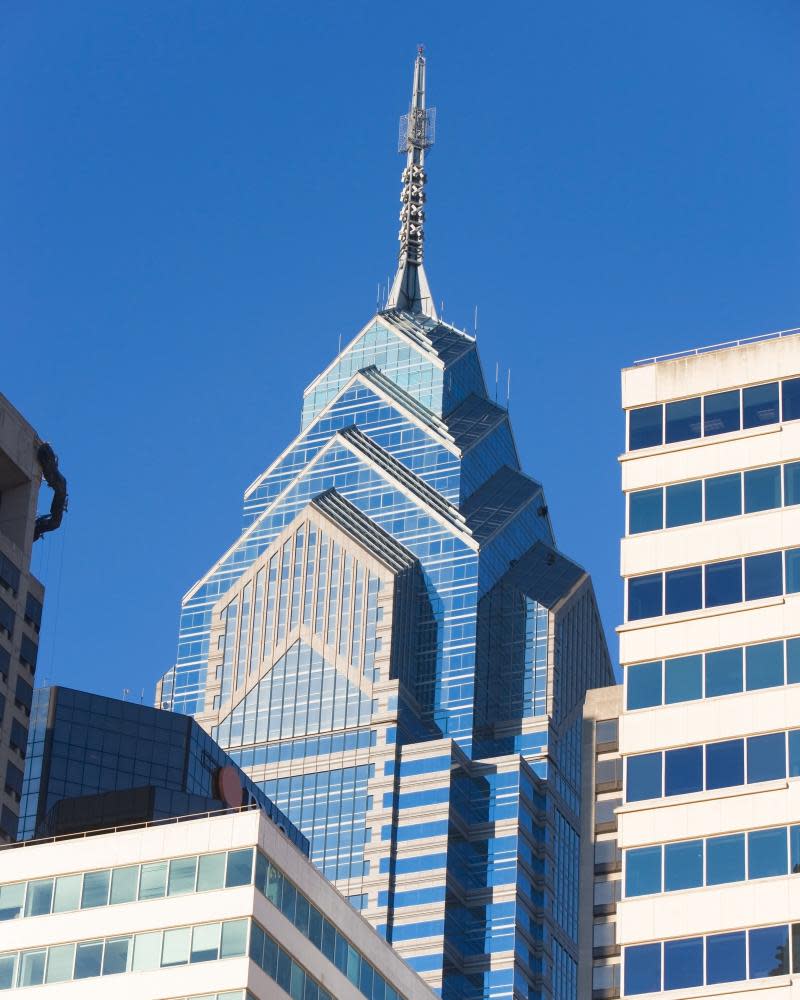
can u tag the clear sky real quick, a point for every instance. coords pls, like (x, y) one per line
(198, 198)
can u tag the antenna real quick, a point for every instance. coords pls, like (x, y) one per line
(125, 693)
(378, 299)
(508, 389)
(340, 343)
(476, 322)
(496, 378)
(441, 308)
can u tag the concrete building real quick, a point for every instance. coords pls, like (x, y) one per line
(710, 733)
(21, 596)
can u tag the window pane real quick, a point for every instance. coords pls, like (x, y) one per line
(762, 489)
(723, 672)
(725, 764)
(182, 873)
(794, 851)
(725, 859)
(683, 865)
(645, 511)
(59, 963)
(175, 948)
(116, 956)
(210, 872)
(792, 661)
(240, 868)
(68, 894)
(760, 405)
(234, 938)
(763, 576)
(723, 496)
(683, 771)
(642, 871)
(683, 963)
(31, 969)
(723, 583)
(721, 412)
(39, 898)
(769, 951)
(644, 685)
(8, 966)
(684, 503)
(792, 557)
(88, 956)
(791, 484)
(683, 420)
(644, 596)
(766, 853)
(124, 883)
(205, 943)
(643, 777)
(791, 399)
(684, 590)
(642, 969)
(147, 951)
(794, 752)
(766, 757)
(95, 889)
(725, 958)
(12, 899)
(683, 679)
(764, 665)
(644, 427)
(153, 880)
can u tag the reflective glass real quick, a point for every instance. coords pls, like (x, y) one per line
(60, 959)
(764, 665)
(175, 947)
(240, 868)
(8, 966)
(210, 872)
(124, 883)
(88, 957)
(769, 951)
(182, 872)
(31, 968)
(792, 557)
(153, 880)
(723, 496)
(794, 752)
(683, 679)
(95, 889)
(763, 576)
(116, 956)
(760, 405)
(12, 899)
(684, 590)
(683, 420)
(683, 865)
(791, 483)
(766, 853)
(790, 391)
(683, 963)
(683, 771)
(644, 596)
(684, 503)
(723, 672)
(725, 859)
(68, 894)
(642, 969)
(645, 511)
(794, 850)
(234, 938)
(205, 943)
(39, 897)
(792, 661)
(645, 427)
(725, 764)
(723, 583)
(146, 951)
(726, 958)
(643, 777)
(644, 685)
(762, 489)
(766, 757)
(721, 412)
(642, 871)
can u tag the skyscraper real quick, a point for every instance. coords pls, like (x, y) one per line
(397, 651)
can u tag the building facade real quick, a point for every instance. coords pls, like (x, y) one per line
(709, 828)
(396, 650)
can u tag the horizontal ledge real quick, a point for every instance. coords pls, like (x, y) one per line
(688, 616)
(702, 442)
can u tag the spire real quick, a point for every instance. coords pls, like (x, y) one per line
(410, 290)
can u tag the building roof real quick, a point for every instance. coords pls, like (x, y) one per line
(544, 574)
(495, 503)
(473, 419)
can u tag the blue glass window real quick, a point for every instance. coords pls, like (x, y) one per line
(766, 853)
(722, 412)
(764, 665)
(762, 489)
(683, 771)
(726, 958)
(794, 753)
(769, 951)
(684, 590)
(684, 503)
(725, 859)
(760, 405)
(642, 871)
(792, 661)
(645, 511)
(724, 672)
(683, 420)
(723, 583)
(725, 764)
(791, 399)
(683, 963)
(683, 865)
(792, 557)
(645, 427)
(723, 496)
(683, 679)
(794, 851)
(766, 757)
(642, 969)
(643, 777)
(791, 483)
(644, 685)
(644, 596)
(763, 576)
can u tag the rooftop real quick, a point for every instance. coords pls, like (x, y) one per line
(724, 346)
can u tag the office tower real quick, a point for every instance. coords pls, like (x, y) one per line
(710, 735)
(397, 651)
(23, 460)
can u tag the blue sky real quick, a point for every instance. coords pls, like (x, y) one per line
(198, 198)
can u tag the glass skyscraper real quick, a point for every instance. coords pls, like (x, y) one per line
(396, 650)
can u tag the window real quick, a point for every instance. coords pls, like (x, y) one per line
(60, 959)
(769, 951)
(88, 958)
(683, 865)
(642, 871)
(210, 872)
(684, 590)
(39, 897)
(725, 859)
(726, 958)
(724, 672)
(645, 511)
(182, 872)
(725, 764)
(95, 889)
(124, 883)
(147, 951)
(766, 757)
(683, 771)
(683, 679)
(153, 880)
(794, 753)
(723, 583)
(240, 868)
(721, 412)
(67, 896)
(644, 596)
(175, 949)
(792, 661)
(684, 503)
(792, 557)
(116, 956)
(763, 576)
(791, 484)
(645, 427)
(642, 969)
(205, 943)
(760, 405)
(791, 399)
(683, 420)
(644, 684)
(766, 853)
(683, 963)
(12, 898)
(723, 496)
(643, 777)
(762, 489)
(764, 665)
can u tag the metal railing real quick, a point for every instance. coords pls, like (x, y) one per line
(716, 347)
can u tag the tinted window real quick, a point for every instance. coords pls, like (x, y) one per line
(724, 672)
(791, 483)
(725, 958)
(683, 420)
(644, 596)
(684, 590)
(763, 576)
(792, 557)
(769, 952)
(683, 771)
(723, 583)
(644, 685)
(240, 868)
(721, 412)
(95, 889)
(760, 405)
(725, 764)
(684, 503)
(644, 428)
(643, 777)
(794, 851)
(683, 679)
(725, 859)
(683, 963)
(791, 399)
(766, 757)
(683, 865)
(642, 871)
(764, 665)
(723, 496)
(762, 489)
(793, 661)
(766, 853)
(643, 969)
(794, 753)
(645, 511)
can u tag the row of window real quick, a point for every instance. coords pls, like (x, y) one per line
(88, 890)
(716, 958)
(282, 968)
(713, 585)
(712, 765)
(710, 675)
(10, 575)
(311, 746)
(733, 857)
(715, 498)
(716, 413)
(61, 963)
